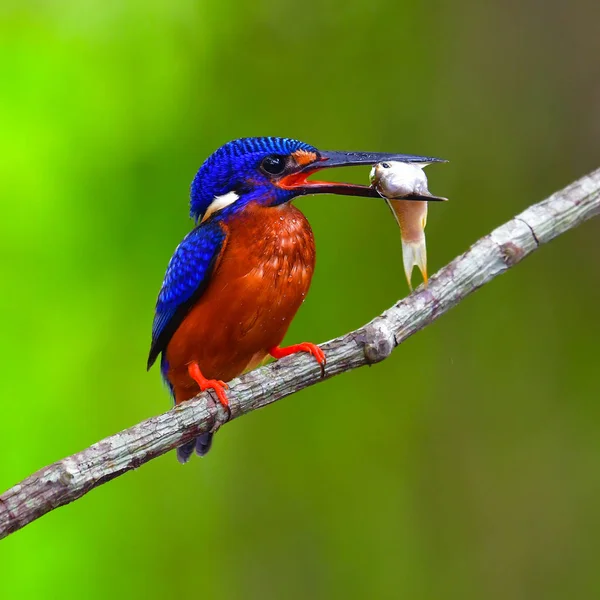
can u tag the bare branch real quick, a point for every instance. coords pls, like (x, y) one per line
(72, 477)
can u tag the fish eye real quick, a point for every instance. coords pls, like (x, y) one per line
(385, 165)
(274, 164)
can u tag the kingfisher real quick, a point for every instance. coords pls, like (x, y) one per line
(236, 281)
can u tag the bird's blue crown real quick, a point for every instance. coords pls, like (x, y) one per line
(235, 167)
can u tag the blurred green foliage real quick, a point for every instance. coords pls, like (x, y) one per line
(465, 466)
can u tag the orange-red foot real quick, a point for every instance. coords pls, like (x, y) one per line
(277, 352)
(216, 385)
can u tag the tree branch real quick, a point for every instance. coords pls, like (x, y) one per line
(72, 477)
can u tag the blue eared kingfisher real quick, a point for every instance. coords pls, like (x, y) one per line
(237, 279)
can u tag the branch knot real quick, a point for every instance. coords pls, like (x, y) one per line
(379, 341)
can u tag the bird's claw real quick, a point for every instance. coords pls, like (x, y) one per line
(218, 387)
(317, 353)
(308, 347)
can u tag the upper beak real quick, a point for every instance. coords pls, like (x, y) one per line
(298, 180)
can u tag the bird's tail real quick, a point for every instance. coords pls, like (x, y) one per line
(201, 445)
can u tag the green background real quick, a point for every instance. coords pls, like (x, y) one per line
(465, 466)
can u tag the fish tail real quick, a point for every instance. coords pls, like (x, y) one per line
(414, 254)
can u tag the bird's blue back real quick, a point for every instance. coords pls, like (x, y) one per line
(187, 275)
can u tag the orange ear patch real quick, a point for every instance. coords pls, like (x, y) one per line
(303, 157)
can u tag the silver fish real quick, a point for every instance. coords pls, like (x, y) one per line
(393, 181)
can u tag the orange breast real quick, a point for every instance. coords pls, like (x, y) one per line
(261, 280)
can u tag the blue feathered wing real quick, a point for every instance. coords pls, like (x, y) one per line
(186, 279)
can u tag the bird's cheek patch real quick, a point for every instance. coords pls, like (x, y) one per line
(304, 157)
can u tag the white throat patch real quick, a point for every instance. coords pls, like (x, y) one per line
(219, 203)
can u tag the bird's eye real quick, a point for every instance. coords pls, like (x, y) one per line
(385, 165)
(273, 164)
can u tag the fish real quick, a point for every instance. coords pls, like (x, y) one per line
(393, 181)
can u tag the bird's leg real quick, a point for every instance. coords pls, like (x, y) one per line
(216, 385)
(277, 352)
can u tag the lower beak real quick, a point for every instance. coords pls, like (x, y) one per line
(298, 182)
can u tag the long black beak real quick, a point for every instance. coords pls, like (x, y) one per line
(326, 160)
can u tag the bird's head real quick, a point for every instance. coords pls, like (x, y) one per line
(271, 171)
